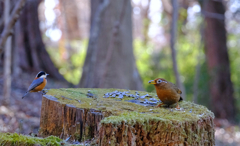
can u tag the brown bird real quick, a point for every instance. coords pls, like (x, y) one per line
(167, 92)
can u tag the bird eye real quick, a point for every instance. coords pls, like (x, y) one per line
(159, 81)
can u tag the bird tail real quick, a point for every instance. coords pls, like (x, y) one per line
(181, 99)
(25, 94)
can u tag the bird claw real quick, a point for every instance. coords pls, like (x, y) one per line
(178, 109)
(44, 92)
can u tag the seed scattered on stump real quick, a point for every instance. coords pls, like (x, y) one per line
(127, 94)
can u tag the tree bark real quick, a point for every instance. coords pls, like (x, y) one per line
(110, 61)
(127, 121)
(221, 88)
(196, 133)
(82, 124)
(32, 51)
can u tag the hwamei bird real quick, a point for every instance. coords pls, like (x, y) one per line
(38, 83)
(167, 92)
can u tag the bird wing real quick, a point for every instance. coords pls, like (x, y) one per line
(176, 88)
(35, 83)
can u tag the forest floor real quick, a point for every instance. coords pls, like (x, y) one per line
(23, 115)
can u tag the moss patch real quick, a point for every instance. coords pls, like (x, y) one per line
(15, 139)
(189, 112)
(122, 110)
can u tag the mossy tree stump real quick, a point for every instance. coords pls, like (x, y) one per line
(123, 120)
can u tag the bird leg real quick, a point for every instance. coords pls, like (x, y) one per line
(159, 105)
(177, 107)
(44, 92)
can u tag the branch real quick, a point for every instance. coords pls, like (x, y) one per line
(213, 15)
(13, 18)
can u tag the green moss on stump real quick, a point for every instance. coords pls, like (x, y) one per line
(128, 111)
(15, 139)
(190, 112)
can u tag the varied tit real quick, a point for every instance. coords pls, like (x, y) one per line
(167, 92)
(38, 83)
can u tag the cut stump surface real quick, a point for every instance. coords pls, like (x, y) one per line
(123, 117)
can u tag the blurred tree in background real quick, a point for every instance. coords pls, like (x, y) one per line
(32, 54)
(109, 61)
(215, 38)
(97, 44)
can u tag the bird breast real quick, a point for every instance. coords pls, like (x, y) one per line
(168, 96)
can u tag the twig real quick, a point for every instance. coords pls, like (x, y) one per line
(13, 18)
(115, 32)
(213, 15)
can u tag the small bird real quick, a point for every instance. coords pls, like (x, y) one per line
(38, 83)
(167, 92)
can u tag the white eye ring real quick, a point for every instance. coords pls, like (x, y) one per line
(159, 81)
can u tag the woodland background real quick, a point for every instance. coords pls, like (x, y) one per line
(121, 44)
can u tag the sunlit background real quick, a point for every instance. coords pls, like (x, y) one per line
(67, 43)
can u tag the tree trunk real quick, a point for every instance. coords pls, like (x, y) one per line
(15, 60)
(221, 89)
(32, 51)
(7, 57)
(86, 114)
(110, 61)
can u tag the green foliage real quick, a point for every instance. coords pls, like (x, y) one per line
(234, 56)
(70, 62)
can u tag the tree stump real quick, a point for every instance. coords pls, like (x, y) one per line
(123, 117)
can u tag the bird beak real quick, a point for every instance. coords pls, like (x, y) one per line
(47, 74)
(151, 82)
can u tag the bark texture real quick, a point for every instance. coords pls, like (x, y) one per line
(66, 120)
(221, 88)
(32, 51)
(110, 61)
(159, 133)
